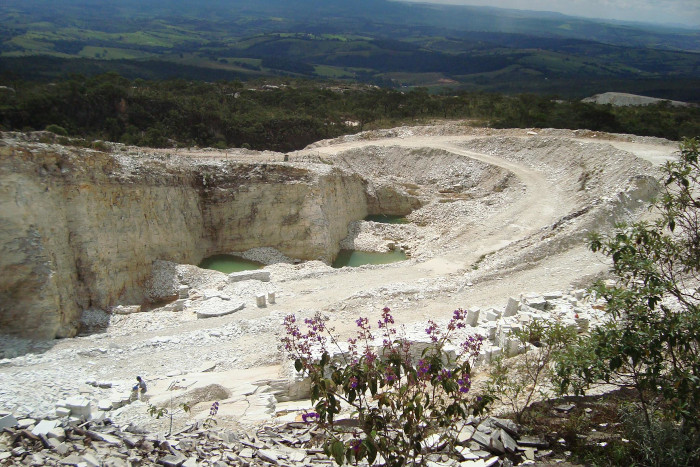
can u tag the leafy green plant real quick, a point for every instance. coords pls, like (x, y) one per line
(397, 400)
(56, 129)
(518, 380)
(170, 412)
(652, 341)
(662, 442)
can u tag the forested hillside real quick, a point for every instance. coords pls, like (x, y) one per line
(288, 114)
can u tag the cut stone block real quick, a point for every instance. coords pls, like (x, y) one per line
(509, 425)
(491, 315)
(107, 438)
(57, 433)
(512, 346)
(217, 307)
(473, 316)
(502, 334)
(25, 422)
(126, 309)
(532, 441)
(511, 307)
(271, 297)
(260, 300)
(269, 455)
(495, 444)
(104, 405)
(44, 426)
(62, 412)
(173, 461)
(263, 276)
(8, 421)
(79, 406)
(552, 295)
(491, 331)
(535, 301)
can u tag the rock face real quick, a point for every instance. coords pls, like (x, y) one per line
(81, 228)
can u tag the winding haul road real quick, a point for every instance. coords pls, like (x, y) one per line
(540, 203)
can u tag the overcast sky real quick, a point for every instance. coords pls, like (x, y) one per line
(685, 12)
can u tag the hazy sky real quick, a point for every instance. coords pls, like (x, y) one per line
(656, 11)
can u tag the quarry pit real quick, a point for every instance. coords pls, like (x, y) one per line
(492, 214)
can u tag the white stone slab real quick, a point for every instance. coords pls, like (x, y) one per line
(263, 276)
(44, 426)
(217, 307)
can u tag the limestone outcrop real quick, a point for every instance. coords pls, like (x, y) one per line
(80, 228)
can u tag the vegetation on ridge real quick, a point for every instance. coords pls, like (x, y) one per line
(288, 114)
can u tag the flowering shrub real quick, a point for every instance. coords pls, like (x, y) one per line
(398, 401)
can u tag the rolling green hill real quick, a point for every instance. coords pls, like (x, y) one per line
(372, 41)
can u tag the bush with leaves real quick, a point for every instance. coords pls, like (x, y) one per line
(397, 400)
(652, 341)
(170, 412)
(518, 380)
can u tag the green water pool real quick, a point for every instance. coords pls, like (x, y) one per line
(355, 258)
(387, 219)
(229, 264)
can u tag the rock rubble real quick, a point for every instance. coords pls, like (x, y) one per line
(99, 442)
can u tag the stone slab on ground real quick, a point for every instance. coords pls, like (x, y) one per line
(217, 307)
(44, 426)
(8, 421)
(263, 276)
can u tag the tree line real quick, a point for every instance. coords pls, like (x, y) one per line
(288, 114)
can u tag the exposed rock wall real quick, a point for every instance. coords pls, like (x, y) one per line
(80, 229)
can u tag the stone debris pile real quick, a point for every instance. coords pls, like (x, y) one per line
(574, 309)
(59, 442)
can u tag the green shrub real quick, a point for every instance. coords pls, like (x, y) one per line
(661, 443)
(56, 129)
(517, 381)
(652, 341)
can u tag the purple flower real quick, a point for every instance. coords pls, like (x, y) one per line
(464, 383)
(355, 444)
(214, 409)
(432, 331)
(353, 382)
(370, 356)
(444, 374)
(387, 319)
(309, 417)
(423, 368)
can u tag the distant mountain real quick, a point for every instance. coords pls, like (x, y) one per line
(391, 43)
(453, 18)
